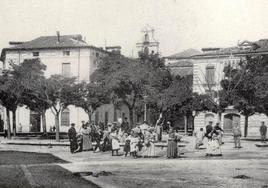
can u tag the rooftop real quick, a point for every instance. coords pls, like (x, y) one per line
(185, 54)
(50, 42)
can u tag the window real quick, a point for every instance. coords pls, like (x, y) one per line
(210, 75)
(66, 69)
(66, 53)
(65, 117)
(35, 54)
(97, 54)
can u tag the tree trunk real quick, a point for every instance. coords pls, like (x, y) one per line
(89, 116)
(193, 122)
(44, 123)
(57, 124)
(246, 126)
(185, 125)
(8, 124)
(14, 122)
(131, 120)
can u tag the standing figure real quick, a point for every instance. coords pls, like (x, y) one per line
(72, 138)
(106, 145)
(263, 131)
(149, 141)
(86, 133)
(127, 144)
(134, 140)
(209, 129)
(125, 125)
(97, 137)
(115, 141)
(159, 131)
(237, 135)
(220, 131)
(199, 135)
(215, 147)
(172, 149)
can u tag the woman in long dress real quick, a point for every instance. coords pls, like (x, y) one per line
(215, 144)
(149, 142)
(134, 140)
(115, 142)
(87, 143)
(172, 149)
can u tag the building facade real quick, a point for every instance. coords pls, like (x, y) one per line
(207, 69)
(67, 55)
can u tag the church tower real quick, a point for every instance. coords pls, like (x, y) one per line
(149, 44)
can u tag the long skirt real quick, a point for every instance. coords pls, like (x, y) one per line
(215, 148)
(127, 146)
(172, 149)
(87, 143)
(150, 150)
(115, 144)
(73, 145)
(133, 147)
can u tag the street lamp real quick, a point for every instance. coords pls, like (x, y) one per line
(145, 107)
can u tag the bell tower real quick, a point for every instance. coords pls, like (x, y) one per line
(149, 44)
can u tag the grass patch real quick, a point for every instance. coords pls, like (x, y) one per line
(17, 157)
(13, 177)
(56, 176)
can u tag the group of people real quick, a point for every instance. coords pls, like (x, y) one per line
(213, 134)
(137, 142)
(214, 137)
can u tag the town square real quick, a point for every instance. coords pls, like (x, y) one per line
(133, 93)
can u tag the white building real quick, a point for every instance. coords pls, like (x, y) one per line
(207, 68)
(70, 56)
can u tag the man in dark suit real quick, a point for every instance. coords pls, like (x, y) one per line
(72, 138)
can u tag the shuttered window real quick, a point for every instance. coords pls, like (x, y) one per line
(65, 117)
(66, 70)
(210, 75)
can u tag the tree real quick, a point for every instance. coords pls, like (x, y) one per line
(7, 96)
(61, 92)
(90, 97)
(131, 80)
(179, 98)
(260, 67)
(34, 94)
(15, 85)
(238, 88)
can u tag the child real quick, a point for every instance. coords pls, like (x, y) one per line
(127, 145)
(115, 142)
(134, 140)
(199, 138)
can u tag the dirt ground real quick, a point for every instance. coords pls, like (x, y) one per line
(245, 167)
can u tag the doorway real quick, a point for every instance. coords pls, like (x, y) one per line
(229, 121)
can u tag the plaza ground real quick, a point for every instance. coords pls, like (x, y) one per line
(245, 167)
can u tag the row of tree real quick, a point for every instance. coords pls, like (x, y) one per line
(147, 80)
(118, 80)
(245, 87)
(26, 85)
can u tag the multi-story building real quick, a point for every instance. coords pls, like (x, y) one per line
(70, 56)
(207, 68)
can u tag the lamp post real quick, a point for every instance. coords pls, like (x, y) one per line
(145, 108)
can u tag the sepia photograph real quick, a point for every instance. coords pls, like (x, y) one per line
(133, 94)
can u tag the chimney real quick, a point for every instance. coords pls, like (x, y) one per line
(58, 37)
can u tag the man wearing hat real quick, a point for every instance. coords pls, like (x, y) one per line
(72, 138)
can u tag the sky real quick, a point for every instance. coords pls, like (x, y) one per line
(178, 24)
